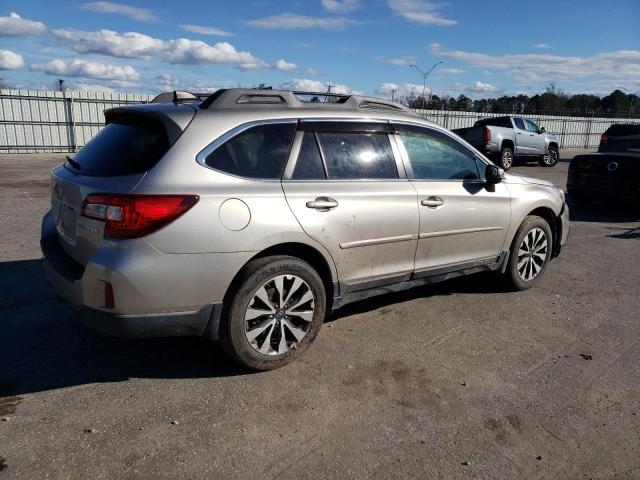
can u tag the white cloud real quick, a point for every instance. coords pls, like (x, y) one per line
(88, 87)
(482, 87)
(542, 45)
(178, 51)
(86, 69)
(193, 52)
(308, 85)
(135, 13)
(341, 6)
(10, 60)
(16, 26)
(418, 11)
(450, 71)
(304, 45)
(206, 30)
(284, 66)
(108, 42)
(311, 71)
(290, 21)
(400, 61)
(622, 65)
(401, 90)
(166, 81)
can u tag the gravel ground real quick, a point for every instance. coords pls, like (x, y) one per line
(456, 380)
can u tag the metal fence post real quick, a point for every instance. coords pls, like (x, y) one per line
(70, 124)
(588, 134)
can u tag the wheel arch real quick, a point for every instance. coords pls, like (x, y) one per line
(555, 224)
(303, 251)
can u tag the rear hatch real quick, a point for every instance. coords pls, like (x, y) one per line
(605, 172)
(114, 161)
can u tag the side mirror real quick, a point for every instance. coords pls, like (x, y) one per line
(493, 174)
(542, 129)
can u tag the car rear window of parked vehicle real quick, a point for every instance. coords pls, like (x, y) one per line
(309, 163)
(126, 146)
(623, 130)
(494, 122)
(259, 152)
(358, 155)
(434, 156)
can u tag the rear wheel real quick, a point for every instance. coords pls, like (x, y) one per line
(551, 158)
(505, 160)
(530, 253)
(275, 314)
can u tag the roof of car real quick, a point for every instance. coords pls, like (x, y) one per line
(243, 99)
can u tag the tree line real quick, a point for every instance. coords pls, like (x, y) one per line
(552, 101)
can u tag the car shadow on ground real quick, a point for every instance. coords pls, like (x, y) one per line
(45, 347)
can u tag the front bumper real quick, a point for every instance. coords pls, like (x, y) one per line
(565, 224)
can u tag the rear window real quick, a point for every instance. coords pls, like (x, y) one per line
(623, 130)
(494, 122)
(259, 152)
(124, 147)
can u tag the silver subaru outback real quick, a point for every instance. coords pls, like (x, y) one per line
(248, 216)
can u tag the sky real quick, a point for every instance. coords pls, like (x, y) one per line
(487, 48)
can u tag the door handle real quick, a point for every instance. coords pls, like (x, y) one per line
(432, 202)
(323, 203)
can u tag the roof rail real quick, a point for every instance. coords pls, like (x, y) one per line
(236, 98)
(178, 96)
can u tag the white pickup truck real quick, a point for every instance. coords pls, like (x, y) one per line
(504, 138)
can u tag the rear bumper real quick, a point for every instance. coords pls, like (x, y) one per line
(156, 294)
(173, 324)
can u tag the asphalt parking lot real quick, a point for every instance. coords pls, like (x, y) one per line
(456, 380)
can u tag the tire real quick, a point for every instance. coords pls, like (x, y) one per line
(254, 339)
(551, 159)
(505, 160)
(524, 270)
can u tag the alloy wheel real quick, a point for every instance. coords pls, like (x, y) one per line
(532, 254)
(279, 315)
(507, 159)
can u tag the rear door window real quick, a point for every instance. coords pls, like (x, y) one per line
(125, 146)
(259, 152)
(519, 123)
(357, 155)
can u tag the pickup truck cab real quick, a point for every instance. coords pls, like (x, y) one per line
(504, 138)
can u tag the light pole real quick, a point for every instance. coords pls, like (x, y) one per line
(424, 81)
(632, 96)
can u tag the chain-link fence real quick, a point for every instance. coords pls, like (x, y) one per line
(52, 121)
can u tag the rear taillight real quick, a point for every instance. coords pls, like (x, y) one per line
(133, 216)
(604, 138)
(486, 135)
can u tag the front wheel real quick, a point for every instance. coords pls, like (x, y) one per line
(505, 160)
(530, 253)
(551, 158)
(275, 313)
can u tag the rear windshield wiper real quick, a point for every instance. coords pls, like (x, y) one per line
(73, 163)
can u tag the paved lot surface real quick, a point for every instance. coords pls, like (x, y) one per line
(457, 380)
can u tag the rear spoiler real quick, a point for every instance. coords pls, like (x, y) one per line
(174, 118)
